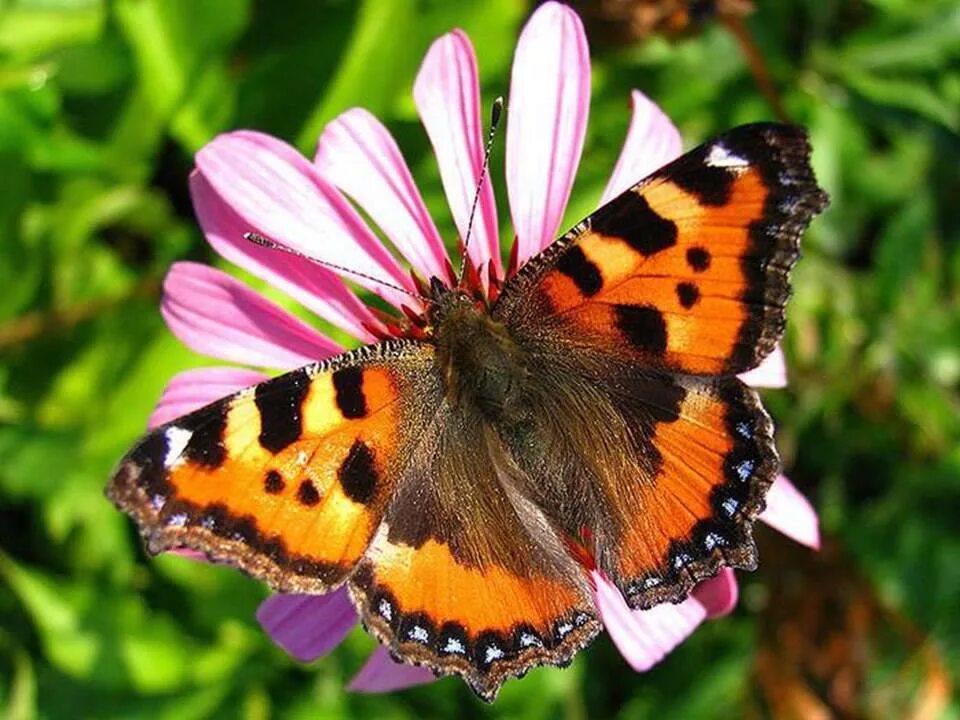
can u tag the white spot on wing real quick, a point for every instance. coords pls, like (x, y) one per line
(419, 634)
(493, 652)
(177, 439)
(720, 157)
(530, 640)
(730, 506)
(385, 609)
(744, 469)
(713, 539)
(454, 646)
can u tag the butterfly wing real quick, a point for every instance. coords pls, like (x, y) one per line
(686, 271)
(357, 469)
(710, 464)
(466, 575)
(642, 443)
(289, 479)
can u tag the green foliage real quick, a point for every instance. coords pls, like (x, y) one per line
(102, 105)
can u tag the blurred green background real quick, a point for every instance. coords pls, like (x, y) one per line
(102, 105)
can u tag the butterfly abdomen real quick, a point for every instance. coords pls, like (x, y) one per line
(484, 368)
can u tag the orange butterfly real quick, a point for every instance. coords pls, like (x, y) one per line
(455, 479)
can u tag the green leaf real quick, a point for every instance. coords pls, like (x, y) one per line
(379, 57)
(33, 28)
(927, 47)
(901, 249)
(905, 93)
(19, 701)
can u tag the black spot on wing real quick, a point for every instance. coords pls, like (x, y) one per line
(585, 275)
(630, 218)
(273, 482)
(307, 494)
(348, 383)
(280, 402)
(145, 466)
(358, 474)
(710, 185)
(643, 326)
(688, 294)
(698, 259)
(207, 427)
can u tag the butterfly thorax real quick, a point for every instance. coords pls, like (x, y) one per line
(484, 368)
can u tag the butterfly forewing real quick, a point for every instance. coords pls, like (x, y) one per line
(288, 479)
(687, 271)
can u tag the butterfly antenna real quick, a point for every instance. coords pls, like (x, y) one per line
(495, 112)
(262, 241)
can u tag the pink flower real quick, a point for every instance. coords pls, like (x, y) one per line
(246, 181)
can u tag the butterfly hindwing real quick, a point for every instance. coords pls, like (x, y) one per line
(710, 461)
(658, 476)
(466, 575)
(288, 479)
(687, 271)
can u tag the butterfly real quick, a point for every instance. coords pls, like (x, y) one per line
(460, 480)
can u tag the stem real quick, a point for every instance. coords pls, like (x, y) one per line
(38, 324)
(735, 24)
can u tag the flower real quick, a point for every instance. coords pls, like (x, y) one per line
(246, 181)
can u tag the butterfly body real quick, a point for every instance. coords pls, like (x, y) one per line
(463, 482)
(484, 367)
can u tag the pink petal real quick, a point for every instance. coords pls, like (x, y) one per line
(447, 96)
(312, 285)
(652, 141)
(644, 637)
(789, 512)
(308, 626)
(357, 153)
(719, 594)
(382, 674)
(280, 193)
(546, 123)
(771, 373)
(216, 315)
(192, 389)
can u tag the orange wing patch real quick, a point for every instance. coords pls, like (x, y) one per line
(714, 465)
(466, 574)
(686, 271)
(287, 480)
(485, 623)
